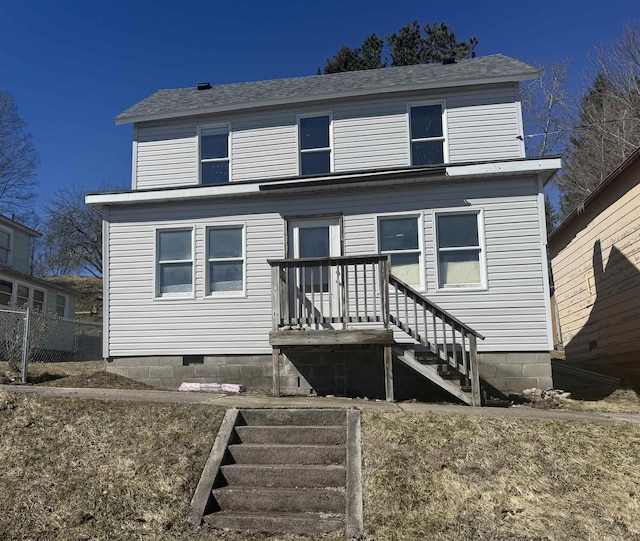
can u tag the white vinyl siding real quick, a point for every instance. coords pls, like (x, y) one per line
(510, 312)
(482, 123)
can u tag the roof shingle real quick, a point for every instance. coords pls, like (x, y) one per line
(188, 101)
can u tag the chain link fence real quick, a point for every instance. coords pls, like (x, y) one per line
(31, 336)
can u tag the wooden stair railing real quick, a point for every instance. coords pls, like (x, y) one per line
(452, 342)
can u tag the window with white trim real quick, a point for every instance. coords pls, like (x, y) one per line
(22, 296)
(6, 293)
(214, 154)
(225, 259)
(459, 250)
(427, 134)
(61, 305)
(314, 144)
(5, 247)
(174, 262)
(38, 300)
(399, 237)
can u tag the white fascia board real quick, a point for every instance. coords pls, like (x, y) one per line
(525, 76)
(178, 194)
(541, 166)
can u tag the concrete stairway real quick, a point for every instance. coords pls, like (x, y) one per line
(286, 470)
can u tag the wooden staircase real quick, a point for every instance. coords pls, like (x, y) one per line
(372, 306)
(286, 471)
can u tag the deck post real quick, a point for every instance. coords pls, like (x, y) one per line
(388, 373)
(275, 297)
(384, 292)
(475, 374)
(275, 357)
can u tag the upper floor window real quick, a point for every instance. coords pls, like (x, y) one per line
(5, 247)
(427, 134)
(399, 237)
(214, 154)
(175, 263)
(459, 246)
(225, 255)
(315, 144)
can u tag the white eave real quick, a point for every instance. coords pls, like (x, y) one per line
(545, 167)
(511, 78)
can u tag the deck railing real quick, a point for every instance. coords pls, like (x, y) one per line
(317, 293)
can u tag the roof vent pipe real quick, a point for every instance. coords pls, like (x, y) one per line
(449, 60)
(203, 86)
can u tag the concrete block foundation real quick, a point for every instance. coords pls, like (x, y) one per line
(355, 371)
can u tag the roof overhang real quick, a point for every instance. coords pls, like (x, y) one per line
(8, 222)
(311, 98)
(543, 167)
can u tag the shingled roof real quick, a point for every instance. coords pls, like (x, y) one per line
(191, 101)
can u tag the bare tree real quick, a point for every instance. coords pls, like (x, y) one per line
(72, 241)
(608, 129)
(547, 110)
(18, 159)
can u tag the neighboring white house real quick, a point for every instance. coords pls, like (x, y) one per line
(18, 287)
(423, 163)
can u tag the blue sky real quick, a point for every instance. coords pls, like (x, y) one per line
(73, 65)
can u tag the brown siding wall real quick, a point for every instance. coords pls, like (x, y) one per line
(596, 270)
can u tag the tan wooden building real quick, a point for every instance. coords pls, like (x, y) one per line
(595, 258)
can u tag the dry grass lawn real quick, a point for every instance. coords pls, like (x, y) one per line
(435, 477)
(620, 401)
(81, 469)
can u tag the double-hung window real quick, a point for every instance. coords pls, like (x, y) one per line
(5, 247)
(426, 127)
(459, 246)
(61, 305)
(38, 300)
(174, 262)
(22, 296)
(314, 135)
(214, 154)
(225, 257)
(399, 237)
(6, 292)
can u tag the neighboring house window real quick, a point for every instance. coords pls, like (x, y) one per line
(5, 247)
(399, 237)
(315, 144)
(459, 250)
(225, 256)
(22, 296)
(214, 155)
(38, 300)
(6, 292)
(427, 134)
(61, 305)
(175, 263)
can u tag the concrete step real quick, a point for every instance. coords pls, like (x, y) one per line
(291, 500)
(310, 524)
(248, 453)
(303, 435)
(297, 417)
(269, 475)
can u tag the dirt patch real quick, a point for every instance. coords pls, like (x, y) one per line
(96, 380)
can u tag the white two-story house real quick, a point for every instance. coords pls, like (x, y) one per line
(18, 287)
(351, 233)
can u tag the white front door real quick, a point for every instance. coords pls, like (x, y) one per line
(316, 291)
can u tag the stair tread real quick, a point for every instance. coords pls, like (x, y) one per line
(295, 445)
(277, 514)
(276, 490)
(312, 523)
(287, 466)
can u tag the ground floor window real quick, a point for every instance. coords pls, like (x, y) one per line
(22, 296)
(61, 305)
(459, 249)
(399, 236)
(174, 262)
(6, 293)
(38, 300)
(225, 258)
